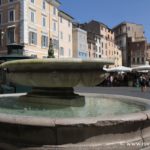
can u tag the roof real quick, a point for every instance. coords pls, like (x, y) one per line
(124, 23)
(56, 3)
(100, 23)
(65, 15)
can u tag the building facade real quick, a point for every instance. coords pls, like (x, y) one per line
(148, 52)
(130, 38)
(101, 42)
(65, 35)
(39, 24)
(9, 24)
(26, 27)
(80, 48)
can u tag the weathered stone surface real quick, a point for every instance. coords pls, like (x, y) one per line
(56, 72)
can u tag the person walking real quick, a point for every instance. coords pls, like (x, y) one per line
(143, 83)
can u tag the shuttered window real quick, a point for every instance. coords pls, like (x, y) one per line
(32, 38)
(44, 41)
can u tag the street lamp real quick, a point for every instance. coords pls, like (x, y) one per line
(2, 38)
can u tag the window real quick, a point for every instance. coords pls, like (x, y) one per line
(138, 60)
(128, 28)
(43, 21)
(69, 23)
(142, 59)
(133, 60)
(0, 18)
(61, 35)
(99, 49)
(11, 1)
(44, 41)
(32, 38)
(54, 10)
(56, 44)
(69, 52)
(69, 38)
(54, 26)
(1, 38)
(11, 15)
(11, 35)
(32, 1)
(61, 51)
(32, 16)
(61, 19)
(44, 5)
(89, 45)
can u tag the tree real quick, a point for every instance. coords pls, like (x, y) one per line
(50, 50)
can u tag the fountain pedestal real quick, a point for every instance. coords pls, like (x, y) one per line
(54, 96)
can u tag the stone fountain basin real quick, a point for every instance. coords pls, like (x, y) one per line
(56, 72)
(121, 132)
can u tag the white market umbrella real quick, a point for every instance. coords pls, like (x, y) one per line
(141, 68)
(118, 69)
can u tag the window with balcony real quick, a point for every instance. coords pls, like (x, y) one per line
(11, 35)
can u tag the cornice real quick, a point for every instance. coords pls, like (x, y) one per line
(55, 3)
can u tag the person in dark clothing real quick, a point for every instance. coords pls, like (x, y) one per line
(143, 83)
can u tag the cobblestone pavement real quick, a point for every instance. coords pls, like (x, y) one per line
(129, 91)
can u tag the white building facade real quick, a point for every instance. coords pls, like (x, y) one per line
(65, 35)
(80, 47)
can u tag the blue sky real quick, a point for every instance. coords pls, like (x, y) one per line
(110, 12)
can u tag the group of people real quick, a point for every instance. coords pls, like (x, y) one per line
(138, 80)
(116, 80)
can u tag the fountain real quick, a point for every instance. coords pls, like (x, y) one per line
(52, 116)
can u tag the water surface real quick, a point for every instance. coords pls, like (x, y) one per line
(95, 106)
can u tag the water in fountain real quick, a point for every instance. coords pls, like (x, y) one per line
(52, 114)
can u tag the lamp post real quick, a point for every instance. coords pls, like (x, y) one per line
(2, 38)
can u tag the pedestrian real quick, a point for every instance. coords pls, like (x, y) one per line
(143, 83)
(111, 80)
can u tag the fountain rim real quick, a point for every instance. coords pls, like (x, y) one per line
(97, 121)
(60, 60)
(68, 63)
